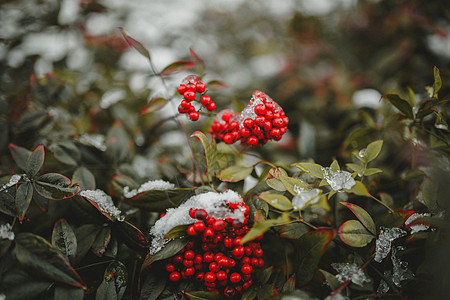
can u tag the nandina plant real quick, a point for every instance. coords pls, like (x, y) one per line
(83, 218)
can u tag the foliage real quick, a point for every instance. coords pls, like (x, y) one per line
(364, 187)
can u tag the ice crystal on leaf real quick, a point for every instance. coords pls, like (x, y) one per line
(418, 227)
(400, 271)
(213, 203)
(338, 180)
(6, 232)
(149, 185)
(348, 271)
(12, 181)
(304, 197)
(104, 203)
(384, 241)
(362, 152)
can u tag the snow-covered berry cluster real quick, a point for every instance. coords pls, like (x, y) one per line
(189, 88)
(214, 255)
(261, 120)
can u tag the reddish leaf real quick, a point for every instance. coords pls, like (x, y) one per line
(354, 234)
(169, 250)
(197, 59)
(35, 161)
(131, 235)
(154, 105)
(20, 155)
(135, 44)
(362, 216)
(395, 219)
(177, 66)
(215, 85)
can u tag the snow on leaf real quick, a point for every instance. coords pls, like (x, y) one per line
(213, 203)
(384, 241)
(6, 232)
(337, 296)
(149, 185)
(304, 197)
(95, 140)
(348, 271)
(103, 202)
(400, 271)
(418, 227)
(12, 181)
(338, 180)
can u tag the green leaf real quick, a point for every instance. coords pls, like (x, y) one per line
(119, 182)
(177, 231)
(395, 219)
(354, 234)
(197, 59)
(210, 150)
(55, 186)
(23, 198)
(119, 146)
(84, 178)
(257, 229)
(278, 201)
(266, 291)
(359, 189)
(18, 284)
(135, 44)
(249, 294)
(263, 275)
(362, 216)
(160, 200)
(155, 104)
(8, 204)
(107, 288)
(131, 236)
(153, 286)
(200, 295)
(402, 105)
(289, 285)
(372, 171)
(332, 281)
(101, 241)
(85, 235)
(64, 239)
(355, 168)
(386, 199)
(292, 184)
(66, 292)
(177, 66)
(372, 150)
(293, 230)
(412, 98)
(215, 85)
(311, 247)
(120, 277)
(66, 152)
(20, 155)
(169, 250)
(437, 82)
(235, 173)
(34, 252)
(310, 168)
(35, 161)
(335, 166)
(276, 184)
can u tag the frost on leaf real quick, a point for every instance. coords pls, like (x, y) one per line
(348, 271)
(399, 273)
(418, 227)
(338, 180)
(104, 203)
(213, 203)
(384, 241)
(12, 181)
(383, 288)
(95, 140)
(6, 232)
(304, 197)
(362, 152)
(149, 185)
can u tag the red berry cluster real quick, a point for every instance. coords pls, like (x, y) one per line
(189, 88)
(262, 120)
(215, 257)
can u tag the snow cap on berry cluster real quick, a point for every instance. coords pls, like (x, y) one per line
(258, 97)
(213, 203)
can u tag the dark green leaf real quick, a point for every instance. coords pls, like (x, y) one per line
(235, 173)
(311, 247)
(257, 229)
(293, 230)
(131, 235)
(332, 281)
(169, 250)
(20, 155)
(36, 253)
(23, 199)
(203, 296)
(66, 292)
(210, 150)
(120, 273)
(395, 219)
(177, 66)
(18, 285)
(278, 201)
(155, 104)
(119, 182)
(107, 289)
(256, 204)
(160, 200)
(437, 82)
(354, 234)
(215, 85)
(8, 204)
(265, 291)
(177, 231)
(249, 294)
(55, 186)
(402, 105)
(86, 235)
(263, 276)
(135, 44)
(64, 239)
(119, 146)
(66, 152)
(84, 178)
(41, 201)
(153, 286)
(362, 216)
(310, 168)
(289, 285)
(101, 241)
(35, 161)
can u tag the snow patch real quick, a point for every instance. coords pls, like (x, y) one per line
(6, 232)
(353, 272)
(304, 197)
(12, 181)
(338, 180)
(104, 203)
(418, 227)
(384, 242)
(149, 185)
(95, 140)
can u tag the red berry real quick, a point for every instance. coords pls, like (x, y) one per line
(218, 238)
(256, 130)
(267, 125)
(252, 140)
(228, 242)
(199, 276)
(237, 241)
(247, 284)
(275, 132)
(198, 259)
(201, 214)
(218, 225)
(248, 251)
(210, 220)
(260, 109)
(178, 259)
(227, 116)
(188, 262)
(209, 233)
(234, 126)
(245, 132)
(269, 106)
(229, 291)
(210, 277)
(245, 260)
(211, 106)
(255, 262)
(191, 230)
(213, 267)
(189, 271)
(182, 88)
(208, 257)
(260, 262)
(192, 212)
(259, 120)
(248, 123)
(189, 254)
(235, 135)
(174, 276)
(200, 87)
(246, 269)
(231, 263)
(170, 267)
(221, 275)
(199, 226)
(235, 277)
(258, 252)
(238, 251)
(189, 95)
(193, 115)
(227, 138)
(277, 122)
(218, 256)
(205, 100)
(216, 126)
(223, 262)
